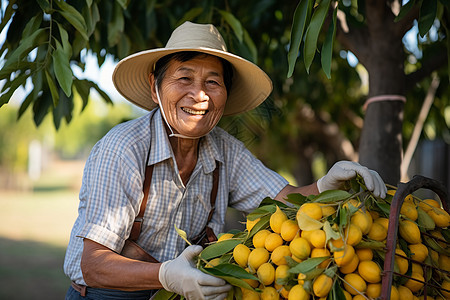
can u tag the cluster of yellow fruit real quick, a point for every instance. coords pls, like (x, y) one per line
(332, 246)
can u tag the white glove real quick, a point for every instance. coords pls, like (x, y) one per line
(180, 276)
(345, 170)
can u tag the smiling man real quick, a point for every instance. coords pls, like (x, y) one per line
(174, 167)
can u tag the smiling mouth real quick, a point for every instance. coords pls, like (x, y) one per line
(194, 112)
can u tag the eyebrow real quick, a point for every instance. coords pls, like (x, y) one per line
(210, 73)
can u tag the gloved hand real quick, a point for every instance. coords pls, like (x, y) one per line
(180, 276)
(345, 170)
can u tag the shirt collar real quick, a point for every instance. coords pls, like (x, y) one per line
(161, 150)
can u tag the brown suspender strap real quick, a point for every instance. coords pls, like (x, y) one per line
(137, 225)
(214, 191)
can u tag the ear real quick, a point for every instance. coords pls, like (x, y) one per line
(152, 82)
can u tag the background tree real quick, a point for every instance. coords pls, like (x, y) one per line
(307, 113)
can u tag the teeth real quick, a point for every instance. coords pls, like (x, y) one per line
(194, 112)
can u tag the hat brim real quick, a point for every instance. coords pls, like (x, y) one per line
(250, 86)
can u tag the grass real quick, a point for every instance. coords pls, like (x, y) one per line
(34, 232)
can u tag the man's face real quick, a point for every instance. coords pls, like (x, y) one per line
(193, 95)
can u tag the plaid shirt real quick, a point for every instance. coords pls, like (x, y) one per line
(113, 178)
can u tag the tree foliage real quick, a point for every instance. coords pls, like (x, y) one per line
(316, 93)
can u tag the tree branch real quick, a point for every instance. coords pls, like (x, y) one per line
(434, 63)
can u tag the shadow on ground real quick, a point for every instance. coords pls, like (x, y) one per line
(31, 270)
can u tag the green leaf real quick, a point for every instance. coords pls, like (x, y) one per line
(9, 10)
(74, 17)
(424, 220)
(251, 46)
(312, 32)
(102, 93)
(230, 279)
(327, 47)
(62, 69)
(116, 26)
(162, 294)
(329, 232)
(62, 110)
(25, 103)
(332, 196)
(234, 23)
(301, 14)
(41, 106)
(234, 270)
(13, 85)
(25, 46)
(182, 234)
(384, 207)
(123, 3)
(262, 224)
(427, 16)
(53, 89)
(32, 26)
(45, 5)
(190, 15)
(336, 292)
(65, 42)
(297, 199)
(307, 265)
(404, 10)
(219, 248)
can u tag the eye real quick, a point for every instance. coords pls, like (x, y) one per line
(213, 82)
(184, 78)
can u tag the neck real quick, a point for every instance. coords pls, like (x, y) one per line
(186, 154)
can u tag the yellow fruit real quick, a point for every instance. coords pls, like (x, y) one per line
(404, 293)
(375, 215)
(353, 234)
(347, 295)
(364, 254)
(377, 232)
(373, 290)
(416, 268)
(369, 271)
(281, 272)
(306, 234)
(409, 231)
(225, 236)
(327, 209)
(428, 204)
(409, 199)
(446, 285)
(440, 217)
(418, 252)
(401, 262)
(318, 238)
(363, 220)
(354, 283)
(322, 285)
(250, 295)
(351, 266)
(277, 219)
(434, 256)
(391, 192)
(352, 202)
(444, 262)
(266, 273)
(414, 285)
(282, 291)
(252, 282)
(394, 293)
(213, 262)
(297, 292)
(341, 258)
(359, 297)
(278, 255)
(313, 210)
(240, 255)
(409, 210)
(257, 257)
(383, 222)
(273, 241)
(249, 224)
(270, 293)
(301, 278)
(259, 239)
(336, 245)
(289, 230)
(321, 252)
(300, 248)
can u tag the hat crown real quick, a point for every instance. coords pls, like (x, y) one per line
(190, 35)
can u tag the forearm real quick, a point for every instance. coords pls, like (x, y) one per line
(103, 268)
(304, 190)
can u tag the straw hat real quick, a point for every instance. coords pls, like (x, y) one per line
(250, 86)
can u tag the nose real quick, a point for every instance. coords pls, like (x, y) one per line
(199, 93)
